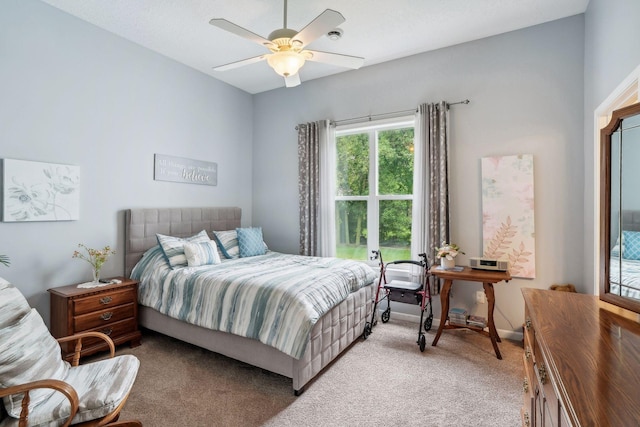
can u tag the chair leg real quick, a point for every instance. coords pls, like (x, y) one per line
(134, 423)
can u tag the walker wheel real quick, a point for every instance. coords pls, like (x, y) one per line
(427, 323)
(367, 331)
(422, 342)
(386, 315)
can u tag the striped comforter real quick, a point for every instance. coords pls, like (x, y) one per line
(274, 298)
(627, 272)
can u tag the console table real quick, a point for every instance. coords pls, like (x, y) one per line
(487, 278)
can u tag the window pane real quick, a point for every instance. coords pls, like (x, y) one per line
(351, 230)
(395, 160)
(353, 165)
(395, 229)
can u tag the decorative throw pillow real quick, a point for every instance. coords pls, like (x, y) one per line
(250, 242)
(227, 243)
(204, 253)
(173, 247)
(631, 244)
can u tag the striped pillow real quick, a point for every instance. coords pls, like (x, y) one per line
(173, 247)
(228, 243)
(204, 253)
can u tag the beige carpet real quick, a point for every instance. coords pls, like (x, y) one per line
(383, 381)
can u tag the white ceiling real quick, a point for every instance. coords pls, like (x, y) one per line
(378, 30)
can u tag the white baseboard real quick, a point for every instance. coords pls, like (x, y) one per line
(503, 333)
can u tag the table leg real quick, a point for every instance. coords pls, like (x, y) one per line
(444, 304)
(493, 333)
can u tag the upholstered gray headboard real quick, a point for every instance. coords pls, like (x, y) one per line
(141, 226)
(631, 220)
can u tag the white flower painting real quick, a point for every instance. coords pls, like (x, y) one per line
(36, 191)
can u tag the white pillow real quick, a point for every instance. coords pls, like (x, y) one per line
(173, 247)
(203, 253)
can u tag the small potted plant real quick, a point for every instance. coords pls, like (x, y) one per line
(4, 260)
(95, 257)
(447, 254)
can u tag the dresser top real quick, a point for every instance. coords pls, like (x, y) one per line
(594, 355)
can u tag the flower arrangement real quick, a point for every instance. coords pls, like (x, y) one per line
(4, 260)
(95, 257)
(448, 251)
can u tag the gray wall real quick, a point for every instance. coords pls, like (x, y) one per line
(75, 94)
(612, 52)
(526, 92)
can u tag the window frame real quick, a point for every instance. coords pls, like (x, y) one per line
(373, 199)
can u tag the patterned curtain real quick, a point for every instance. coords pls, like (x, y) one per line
(431, 179)
(308, 186)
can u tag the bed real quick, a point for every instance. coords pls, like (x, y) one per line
(326, 338)
(624, 267)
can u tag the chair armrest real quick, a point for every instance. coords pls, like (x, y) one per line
(78, 339)
(61, 386)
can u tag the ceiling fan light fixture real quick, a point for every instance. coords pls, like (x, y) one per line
(286, 63)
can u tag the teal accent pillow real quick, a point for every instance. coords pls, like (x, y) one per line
(203, 253)
(227, 243)
(250, 242)
(631, 244)
(173, 247)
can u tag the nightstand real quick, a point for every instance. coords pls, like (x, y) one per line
(111, 309)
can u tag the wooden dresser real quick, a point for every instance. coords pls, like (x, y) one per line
(581, 362)
(110, 309)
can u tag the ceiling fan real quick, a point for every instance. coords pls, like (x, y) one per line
(287, 46)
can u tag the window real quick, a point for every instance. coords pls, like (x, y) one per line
(374, 189)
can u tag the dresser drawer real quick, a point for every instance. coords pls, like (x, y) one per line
(528, 395)
(549, 396)
(102, 318)
(103, 300)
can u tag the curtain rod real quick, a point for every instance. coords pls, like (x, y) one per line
(388, 115)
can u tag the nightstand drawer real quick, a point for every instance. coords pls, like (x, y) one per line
(103, 317)
(103, 301)
(113, 330)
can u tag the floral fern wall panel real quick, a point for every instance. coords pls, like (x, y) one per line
(508, 229)
(36, 191)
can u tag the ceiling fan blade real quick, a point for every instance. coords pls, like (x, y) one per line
(325, 22)
(292, 81)
(239, 31)
(241, 63)
(340, 60)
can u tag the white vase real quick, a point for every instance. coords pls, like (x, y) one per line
(447, 264)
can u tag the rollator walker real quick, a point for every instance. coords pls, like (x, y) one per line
(401, 291)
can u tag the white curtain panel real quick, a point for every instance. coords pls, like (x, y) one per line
(327, 211)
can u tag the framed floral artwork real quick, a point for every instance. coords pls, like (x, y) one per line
(37, 191)
(508, 227)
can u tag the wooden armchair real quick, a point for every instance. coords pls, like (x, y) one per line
(39, 388)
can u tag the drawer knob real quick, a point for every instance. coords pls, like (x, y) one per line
(542, 371)
(107, 331)
(107, 315)
(105, 300)
(525, 385)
